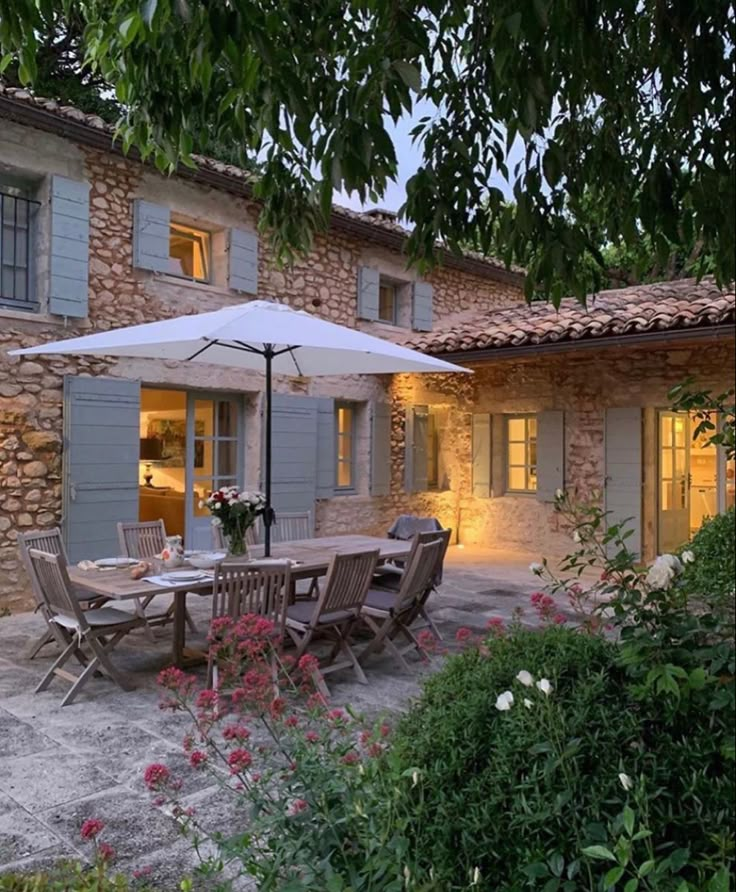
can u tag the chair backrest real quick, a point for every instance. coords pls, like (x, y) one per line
(419, 574)
(292, 527)
(406, 526)
(444, 536)
(252, 535)
(348, 579)
(142, 540)
(261, 588)
(49, 541)
(50, 575)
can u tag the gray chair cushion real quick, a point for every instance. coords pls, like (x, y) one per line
(380, 600)
(389, 578)
(302, 612)
(103, 616)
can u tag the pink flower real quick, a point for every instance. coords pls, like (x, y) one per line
(291, 721)
(239, 760)
(496, 625)
(559, 620)
(336, 715)
(197, 759)
(91, 828)
(427, 641)
(156, 776)
(297, 807)
(350, 758)
(463, 635)
(207, 699)
(312, 737)
(105, 852)
(141, 872)
(384, 730)
(308, 664)
(375, 750)
(236, 732)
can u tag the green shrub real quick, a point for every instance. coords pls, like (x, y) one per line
(66, 877)
(712, 575)
(519, 794)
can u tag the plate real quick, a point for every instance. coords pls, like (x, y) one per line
(183, 575)
(116, 562)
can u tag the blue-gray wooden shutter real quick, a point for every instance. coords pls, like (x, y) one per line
(421, 306)
(550, 454)
(100, 463)
(369, 280)
(380, 449)
(623, 491)
(294, 453)
(151, 235)
(69, 249)
(243, 261)
(416, 434)
(498, 455)
(481, 455)
(326, 448)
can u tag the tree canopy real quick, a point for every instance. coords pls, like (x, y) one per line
(623, 110)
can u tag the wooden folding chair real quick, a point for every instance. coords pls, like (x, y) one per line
(389, 577)
(143, 541)
(389, 615)
(334, 613)
(50, 541)
(242, 588)
(99, 629)
(290, 527)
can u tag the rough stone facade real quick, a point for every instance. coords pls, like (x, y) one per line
(119, 294)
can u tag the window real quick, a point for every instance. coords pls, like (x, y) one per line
(189, 252)
(16, 272)
(387, 302)
(345, 431)
(521, 453)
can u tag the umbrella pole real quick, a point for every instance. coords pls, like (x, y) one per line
(268, 512)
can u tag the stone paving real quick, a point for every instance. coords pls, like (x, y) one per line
(61, 766)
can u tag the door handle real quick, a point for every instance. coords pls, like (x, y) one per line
(73, 492)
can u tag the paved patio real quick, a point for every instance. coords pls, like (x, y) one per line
(61, 766)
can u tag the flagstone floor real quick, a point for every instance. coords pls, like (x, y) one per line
(61, 766)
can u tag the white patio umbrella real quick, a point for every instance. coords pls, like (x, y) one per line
(259, 335)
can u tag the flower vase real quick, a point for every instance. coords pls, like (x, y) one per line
(237, 546)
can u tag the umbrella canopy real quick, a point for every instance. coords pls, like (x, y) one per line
(261, 336)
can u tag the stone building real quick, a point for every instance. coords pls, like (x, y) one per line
(92, 240)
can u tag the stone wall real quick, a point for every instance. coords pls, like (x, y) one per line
(31, 392)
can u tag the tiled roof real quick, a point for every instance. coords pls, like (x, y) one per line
(380, 223)
(643, 309)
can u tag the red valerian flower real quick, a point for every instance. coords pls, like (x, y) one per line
(197, 759)
(156, 776)
(236, 732)
(308, 664)
(384, 730)
(105, 852)
(463, 635)
(312, 737)
(91, 828)
(375, 750)
(336, 715)
(207, 699)
(350, 758)
(496, 625)
(239, 760)
(291, 721)
(559, 619)
(141, 872)
(297, 807)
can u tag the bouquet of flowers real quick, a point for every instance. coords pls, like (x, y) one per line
(234, 512)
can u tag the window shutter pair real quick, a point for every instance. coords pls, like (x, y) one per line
(69, 248)
(151, 232)
(369, 282)
(489, 455)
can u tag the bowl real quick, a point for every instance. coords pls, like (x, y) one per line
(206, 560)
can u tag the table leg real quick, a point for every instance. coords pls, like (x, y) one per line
(180, 628)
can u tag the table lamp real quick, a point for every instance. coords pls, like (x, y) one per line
(151, 451)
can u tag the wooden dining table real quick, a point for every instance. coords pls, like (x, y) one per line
(311, 558)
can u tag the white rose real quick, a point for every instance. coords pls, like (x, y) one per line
(559, 494)
(216, 506)
(545, 686)
(626, 782)
(526, 678)
(536, 569)
(505, 701)
(663, 571)
(687, 557)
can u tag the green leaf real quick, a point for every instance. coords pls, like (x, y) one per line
(613, 876)
(149, 11)
(129, 27)
(647, 867)
(600, 853)
(632, 885)
(629, 817)
(409, 74)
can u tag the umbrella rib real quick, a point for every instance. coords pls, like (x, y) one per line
(290, 351)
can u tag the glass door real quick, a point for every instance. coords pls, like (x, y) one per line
(215, 445)
(674, 481)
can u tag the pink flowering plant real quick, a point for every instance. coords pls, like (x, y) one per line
(311, 786)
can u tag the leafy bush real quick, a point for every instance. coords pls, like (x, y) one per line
(531, 796)
(67, 877)
(712, 575)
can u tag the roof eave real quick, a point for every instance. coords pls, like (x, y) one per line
(33, 116)
(714, 332)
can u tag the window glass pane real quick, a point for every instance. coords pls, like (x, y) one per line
(517, 478)
(532, 480)
(730, 484)
(227, 418)
(517, 429)
(533, 452)
(189, 252)
(666, 494)
(344, 474)
(203, 457)
(344, 448)
(666, 464)
(227, 460)
(532, 426)
(202, 488)
(517, 453)
(665, 430)
(344, 420)
(387, 303)
(680, 431)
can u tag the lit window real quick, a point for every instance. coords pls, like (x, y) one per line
(387, 302)
(521, 453)
(189, 252)
(345, 430)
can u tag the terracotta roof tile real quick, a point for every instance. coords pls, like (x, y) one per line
(664, 306)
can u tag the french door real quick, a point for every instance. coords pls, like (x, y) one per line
(674, 480)
(215, 457)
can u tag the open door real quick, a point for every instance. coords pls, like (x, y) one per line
(674, 481)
